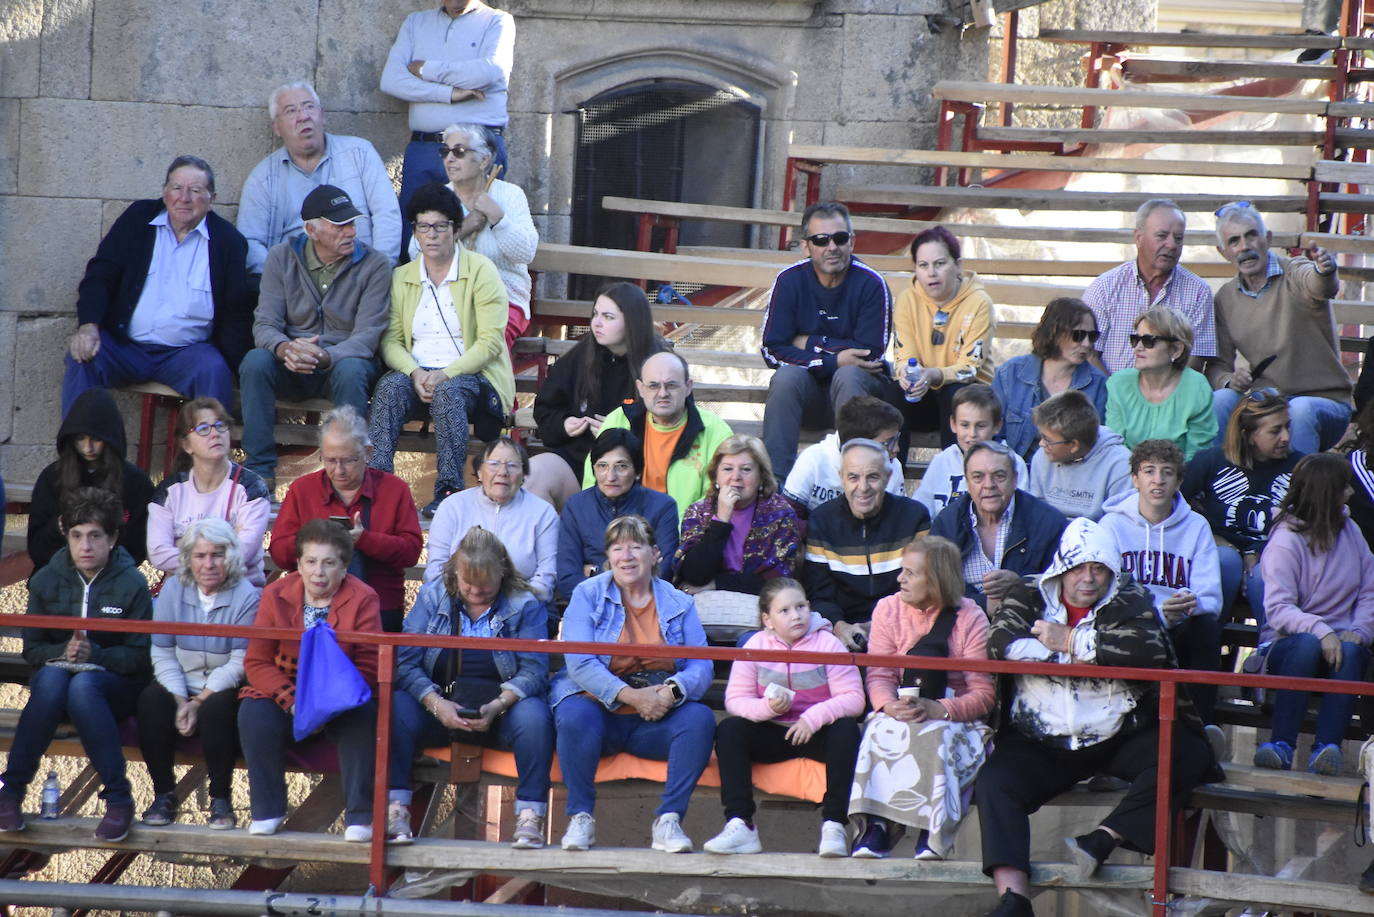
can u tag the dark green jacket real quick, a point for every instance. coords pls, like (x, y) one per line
(118, 591)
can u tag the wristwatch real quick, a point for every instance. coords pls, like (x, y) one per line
(679, 695)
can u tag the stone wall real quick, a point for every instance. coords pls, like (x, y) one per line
(97, 96)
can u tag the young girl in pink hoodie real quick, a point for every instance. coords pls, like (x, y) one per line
(784, 710)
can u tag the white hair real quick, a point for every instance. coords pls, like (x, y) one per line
(1238, 212)
(1156, 203)
(287, 87)
(345, 421)
(473, 132)
(219, 533)
(860, 442)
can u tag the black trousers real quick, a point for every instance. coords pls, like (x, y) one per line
(741, 742)
(216, 726)
(1022, 775)
(1197, 642)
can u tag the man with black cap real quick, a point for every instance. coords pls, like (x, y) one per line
(324, 304)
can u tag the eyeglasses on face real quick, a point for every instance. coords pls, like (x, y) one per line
(458, 152)
(1148, 341)
(617, 468)
(495, 465)
(432, 229)
(657, 387)
(1053, 442)
(205, 429)
(1079, 335)
(823, 239)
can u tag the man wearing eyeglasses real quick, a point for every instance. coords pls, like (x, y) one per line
(324, 303)
(1155, 278)
(270, 206)
(824, 333)
(1276, 313)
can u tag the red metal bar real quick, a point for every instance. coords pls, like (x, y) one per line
(671, 227)
(789, 197)
(1168, 692)
(386, 673)
(644, 239)
(147, 417)
(1010, 22)
(169, 452)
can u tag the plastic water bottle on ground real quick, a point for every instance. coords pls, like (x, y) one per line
(913, 375)
(52, 794)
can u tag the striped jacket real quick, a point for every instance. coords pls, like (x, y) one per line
(824, 692)
(851, 563)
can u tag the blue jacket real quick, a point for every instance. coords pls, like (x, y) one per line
(856, 314)
(1017, 383)
(520, 616)
(1031, 541)
(597, 615)
(582, 530)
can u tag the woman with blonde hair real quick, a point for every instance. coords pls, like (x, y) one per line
(1161, 397)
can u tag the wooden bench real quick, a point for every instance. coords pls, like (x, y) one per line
(1160, 69)
(1072, 137)
(923, 197)
(1076, 97)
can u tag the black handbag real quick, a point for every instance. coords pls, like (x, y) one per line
(934, 645)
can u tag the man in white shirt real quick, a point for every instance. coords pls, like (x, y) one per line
(165, 298)
(270, 207)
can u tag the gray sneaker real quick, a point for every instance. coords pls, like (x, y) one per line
(529, 831)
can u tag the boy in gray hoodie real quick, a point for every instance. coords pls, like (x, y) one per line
(1080, 464)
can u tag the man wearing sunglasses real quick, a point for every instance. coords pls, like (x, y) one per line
(1155, 278)
(270, 206)
(824, 332)
(1276, 313)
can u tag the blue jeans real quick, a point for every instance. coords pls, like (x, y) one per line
(1300, 655)
(527, 729)
(798, 400)
(588, 731)
(422, 165)
(193, 370)
(1232, 569)
(1316, 423)
(95, 702)
(263, 379)
(265, 732)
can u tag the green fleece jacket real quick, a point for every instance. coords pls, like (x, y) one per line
(118, 591)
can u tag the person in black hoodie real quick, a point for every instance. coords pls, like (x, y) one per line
(90, 453)
(91, 677)
(588, 382)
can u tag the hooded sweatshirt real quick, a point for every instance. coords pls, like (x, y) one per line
(964, 354)
(1081, 488)
(824, 692)
(944, 478)
(1177, 554)
(1121, 629)
(95, 414)
(1317, 594)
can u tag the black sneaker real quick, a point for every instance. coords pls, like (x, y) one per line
(874, 843)
(1366, 883)
(11, 813)
(222, 817)
(115, 825)
(440, 495)
(163, 811)
(1012, 905)
(1088, 851)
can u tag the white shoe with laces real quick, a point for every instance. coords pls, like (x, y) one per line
(581, 833)
(529, 830)
(735, 837)
(668, 835)
(834, 840)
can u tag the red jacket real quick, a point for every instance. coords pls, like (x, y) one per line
(270, 665)
(392, 539)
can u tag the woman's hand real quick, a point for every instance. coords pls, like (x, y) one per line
(78, 647)
(490, 711)
(576, 426)
(926, 709)
(486, 204)
(727, 498)
(903, 709)
(446, 712)
(426, 381)
(651, 703)
(594, 422)
(188, 712)
(1332, 651)
(1349, 636)
(800, 733)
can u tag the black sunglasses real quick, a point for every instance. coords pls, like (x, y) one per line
(823, 239)
(1150, 340)
(1079, 335)
(446, 151)
(1261, 395)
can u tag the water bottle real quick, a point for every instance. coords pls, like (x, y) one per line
(52, 794)
(913, 375)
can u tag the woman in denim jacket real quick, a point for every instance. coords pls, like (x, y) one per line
(607, 703)
(485, 697)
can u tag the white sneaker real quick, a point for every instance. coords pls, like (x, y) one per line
(264, 826)
(669, 836)
(581, 833)
(398, 824)
(735, 837)
(529, 831)
(358, 834)
(834, 840)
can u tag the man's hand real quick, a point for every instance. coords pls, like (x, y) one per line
(1240, 380)
(1332, 651)
(799, 733)
(997, 583)
(303, 355)
(651, 703)
(426, 381)
(1057, 638)
(465, 95)
(590, 570)
(921, 384)
(847, 632)
(1178, 606)
(85, 343)
(1323, 259)
(414, 67)
(854, 356)
(357, 531)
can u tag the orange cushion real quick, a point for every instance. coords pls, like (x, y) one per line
(800, 778)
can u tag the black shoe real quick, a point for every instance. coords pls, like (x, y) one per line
(440, 495)
(1088, 851)
(874, 843)
(11, 815)
(1366, 883)
(115, 825)
(163, 811)
(1012, 905)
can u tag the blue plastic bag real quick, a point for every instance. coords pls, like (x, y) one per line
(327, 681)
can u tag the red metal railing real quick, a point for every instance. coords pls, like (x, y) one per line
(1168, 680)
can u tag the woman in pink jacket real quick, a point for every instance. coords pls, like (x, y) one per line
(926, 739)
(784, 710)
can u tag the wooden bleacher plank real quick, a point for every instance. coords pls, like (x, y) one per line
(1301, 896)
(1047, 162)
(1073, 97)
(1038, 199)
(610, 262)
(1345, 789)
(1358, 42)
(1072, 136)
(1340, 202)
(1350, 110)
(558, 310)
(1354, 173)
(1189, 39)
(1184, 69)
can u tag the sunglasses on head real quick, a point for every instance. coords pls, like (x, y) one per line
(1150, 340)
(823, 239)
(1261, 395)
(1079, 335)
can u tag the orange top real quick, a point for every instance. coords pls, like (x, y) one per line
(641, 626)
(658, 453)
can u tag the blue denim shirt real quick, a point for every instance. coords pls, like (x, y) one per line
(520, 616)
(596, 614)
(1017, 384)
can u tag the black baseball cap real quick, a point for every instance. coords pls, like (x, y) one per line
(329, 203)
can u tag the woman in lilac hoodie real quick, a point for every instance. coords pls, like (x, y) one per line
(1319, 609)
(784, 710)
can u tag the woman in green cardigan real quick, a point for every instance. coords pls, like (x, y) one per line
(445, 345)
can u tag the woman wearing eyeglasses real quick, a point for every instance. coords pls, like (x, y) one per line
(1161, 397)
(206, 485)
(1058, 362)
(445, 345)
(496, 220)
(526, 525)
(946, 322)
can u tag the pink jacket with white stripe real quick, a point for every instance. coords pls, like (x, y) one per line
(824, 692)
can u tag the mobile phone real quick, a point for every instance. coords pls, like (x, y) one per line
(860, 641)
(470, 713)
(343, 521)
